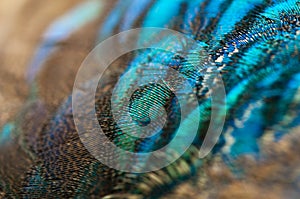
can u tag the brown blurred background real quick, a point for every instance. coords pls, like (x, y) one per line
(23, 23)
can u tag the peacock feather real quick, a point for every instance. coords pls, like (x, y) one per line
(254, 46)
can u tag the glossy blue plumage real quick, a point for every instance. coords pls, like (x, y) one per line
(253, 44)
